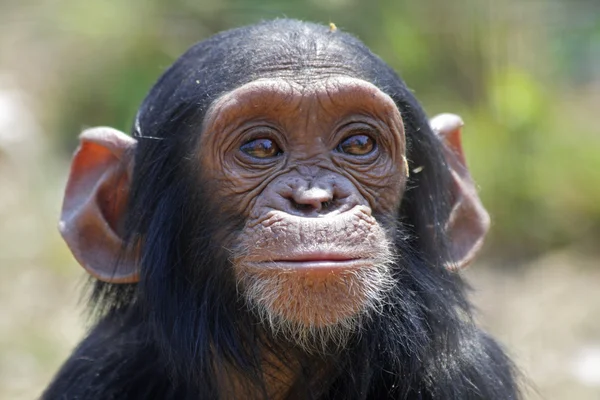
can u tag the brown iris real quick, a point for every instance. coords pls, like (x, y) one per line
(261, 148)
(357, 145)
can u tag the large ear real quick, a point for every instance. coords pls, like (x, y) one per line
(93, 209)
(469, 221)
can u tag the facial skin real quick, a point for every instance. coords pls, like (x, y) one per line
(309, 167)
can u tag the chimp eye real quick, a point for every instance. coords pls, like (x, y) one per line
(357, 145)
(261, 148)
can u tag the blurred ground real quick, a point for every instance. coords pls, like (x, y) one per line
(547, 314)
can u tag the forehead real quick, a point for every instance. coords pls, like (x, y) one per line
(271, 95)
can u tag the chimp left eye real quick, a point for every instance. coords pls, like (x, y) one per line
(261, 148)
(357, 145)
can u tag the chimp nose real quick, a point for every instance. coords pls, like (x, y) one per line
(312, 199)
(312, 196)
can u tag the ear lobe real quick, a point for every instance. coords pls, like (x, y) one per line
(469, 221)
(94, 205)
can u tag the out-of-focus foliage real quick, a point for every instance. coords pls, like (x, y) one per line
(525, 76)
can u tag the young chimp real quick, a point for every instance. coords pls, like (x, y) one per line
(284, 223)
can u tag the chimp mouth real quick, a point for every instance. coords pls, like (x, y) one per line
(315, 261)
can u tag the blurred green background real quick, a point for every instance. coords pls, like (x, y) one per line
(524, 75)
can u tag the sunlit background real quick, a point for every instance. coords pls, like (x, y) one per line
(524, 75)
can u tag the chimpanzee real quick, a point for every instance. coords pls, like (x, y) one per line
(285, 223)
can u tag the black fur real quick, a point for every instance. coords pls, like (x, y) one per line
(170, 335)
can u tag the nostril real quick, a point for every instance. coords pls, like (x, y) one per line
(303, 207)
(310, 206)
